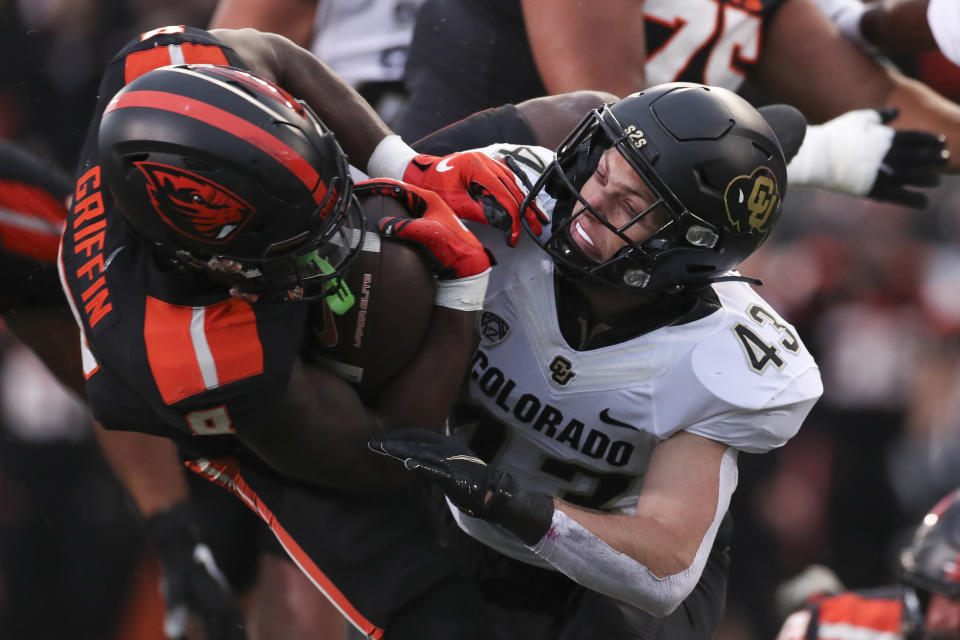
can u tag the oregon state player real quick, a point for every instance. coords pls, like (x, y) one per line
(212, 214)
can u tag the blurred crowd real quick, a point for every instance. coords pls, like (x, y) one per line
(870, 286)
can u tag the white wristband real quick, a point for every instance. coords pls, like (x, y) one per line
(465, 294)
(390, 158)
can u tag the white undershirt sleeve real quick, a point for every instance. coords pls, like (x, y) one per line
(584, 558)
(944, 19)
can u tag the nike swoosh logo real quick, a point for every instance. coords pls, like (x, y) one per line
(444, 165)
(328, 337)
(605, 417)
(423, 166)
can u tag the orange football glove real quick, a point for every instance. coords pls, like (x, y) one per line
(454, 252)
(478, 188)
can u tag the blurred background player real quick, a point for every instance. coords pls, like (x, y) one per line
(925, 605)
(601, 495)
(467, 56)
(899, 25)
(365, 43)
(35, 197)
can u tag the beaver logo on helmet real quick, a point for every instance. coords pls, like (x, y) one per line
(193, 205)
(750, 200)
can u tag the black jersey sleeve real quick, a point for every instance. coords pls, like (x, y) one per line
(491, 126)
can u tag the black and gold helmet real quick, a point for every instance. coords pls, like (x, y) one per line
(716, 170)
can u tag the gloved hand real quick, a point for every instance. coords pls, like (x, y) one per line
(455, 252)
(475, 488)
(460, 262)
(478, 188)
(914, 160)
(857, 154)
(192, 582)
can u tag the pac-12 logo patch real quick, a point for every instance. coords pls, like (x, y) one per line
(193, 205)
(751, 201)
(492, 328)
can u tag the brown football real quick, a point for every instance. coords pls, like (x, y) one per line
(393, 292)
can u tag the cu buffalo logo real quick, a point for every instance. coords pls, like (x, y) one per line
(751, 201)
(193, 205)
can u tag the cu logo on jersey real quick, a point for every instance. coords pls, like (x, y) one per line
(492, 328)
(196, 207)
(751, 200)
(561, 370)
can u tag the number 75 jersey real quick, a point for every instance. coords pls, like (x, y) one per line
(582, 425)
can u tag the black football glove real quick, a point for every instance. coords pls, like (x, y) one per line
(475, 488)
(914, 160)
(192, 582)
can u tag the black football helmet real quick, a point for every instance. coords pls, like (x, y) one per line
(227, 173)
(931, 564)
(714, 166)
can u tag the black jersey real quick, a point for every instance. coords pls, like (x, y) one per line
(468, 55)
(165, 353)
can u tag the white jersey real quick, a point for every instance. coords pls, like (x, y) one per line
(582, 425)
(365, 41)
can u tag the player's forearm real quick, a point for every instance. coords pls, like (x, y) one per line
(319, 434)
(291, 18)
(148, 467)
(922, 108)
(618, 564)
(579, 45)
(424, 391)
(655, 558)
(356, 125)
(660, 546)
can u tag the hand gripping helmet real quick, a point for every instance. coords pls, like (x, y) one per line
(227, 173)
(931, 563)
(714, 166)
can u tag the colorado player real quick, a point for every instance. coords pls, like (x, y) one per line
(623, 365)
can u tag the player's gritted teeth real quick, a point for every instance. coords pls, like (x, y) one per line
(581, 236)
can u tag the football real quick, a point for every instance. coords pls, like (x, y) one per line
(393, 293)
